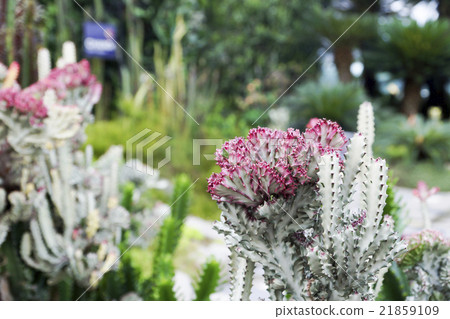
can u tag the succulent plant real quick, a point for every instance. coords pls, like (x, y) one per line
(427, 266)
(75, 218)
(55, 108)
(66, 217)
(312, 220)
(68, 206)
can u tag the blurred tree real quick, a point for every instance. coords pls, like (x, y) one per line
(338, 102)
(413, 53)
(438, 94)
(347, 31)
(359, 6)
(244, 40)
(444, 8)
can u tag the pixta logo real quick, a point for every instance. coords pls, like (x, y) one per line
(197, 145)
(144, 145)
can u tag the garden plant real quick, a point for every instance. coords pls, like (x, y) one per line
(224, 150)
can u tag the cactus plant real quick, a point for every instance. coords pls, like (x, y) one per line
(61, 212)
(69, 204)
(312, 220)
(84, 200)
(127, 283)
(427, 266)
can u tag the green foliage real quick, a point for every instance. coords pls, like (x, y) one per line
(333, 24)
(170, 231)
(337, 102)
(393, 207)
(413, 140)
(162, 278)
(127, 196)
(208, 281)
(410, 50)
(414, 255)
(180, 199)
(395, 285)
(115, 132)
(114, 285)
(65, 289)
(21, 277)
(409, 174)
(167, 241)
(218, 123)
(226, 42)
(203, 207)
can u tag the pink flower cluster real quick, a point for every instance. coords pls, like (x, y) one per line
(427, 237)
(63, 80)
(23, 102)
(60, 80)
(270, 163)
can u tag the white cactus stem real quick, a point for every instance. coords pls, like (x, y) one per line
(43, 63)
(238, 267)
(366, 124)
(69, 52)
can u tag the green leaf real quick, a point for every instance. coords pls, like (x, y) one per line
(127, 196)
(208, 281)
(395, 285)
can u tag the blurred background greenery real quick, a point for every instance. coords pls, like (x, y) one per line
(226, 62)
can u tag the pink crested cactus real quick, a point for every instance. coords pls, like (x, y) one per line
(326, 134)
(23, 102)
(271, 163)
(325, 137)
(63, 81)
(312, 122)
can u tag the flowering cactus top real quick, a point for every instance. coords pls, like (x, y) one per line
(63, 80)
(23, 102)
(270, 163)
(73, 78)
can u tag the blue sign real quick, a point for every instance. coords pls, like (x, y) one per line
(99, 40)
